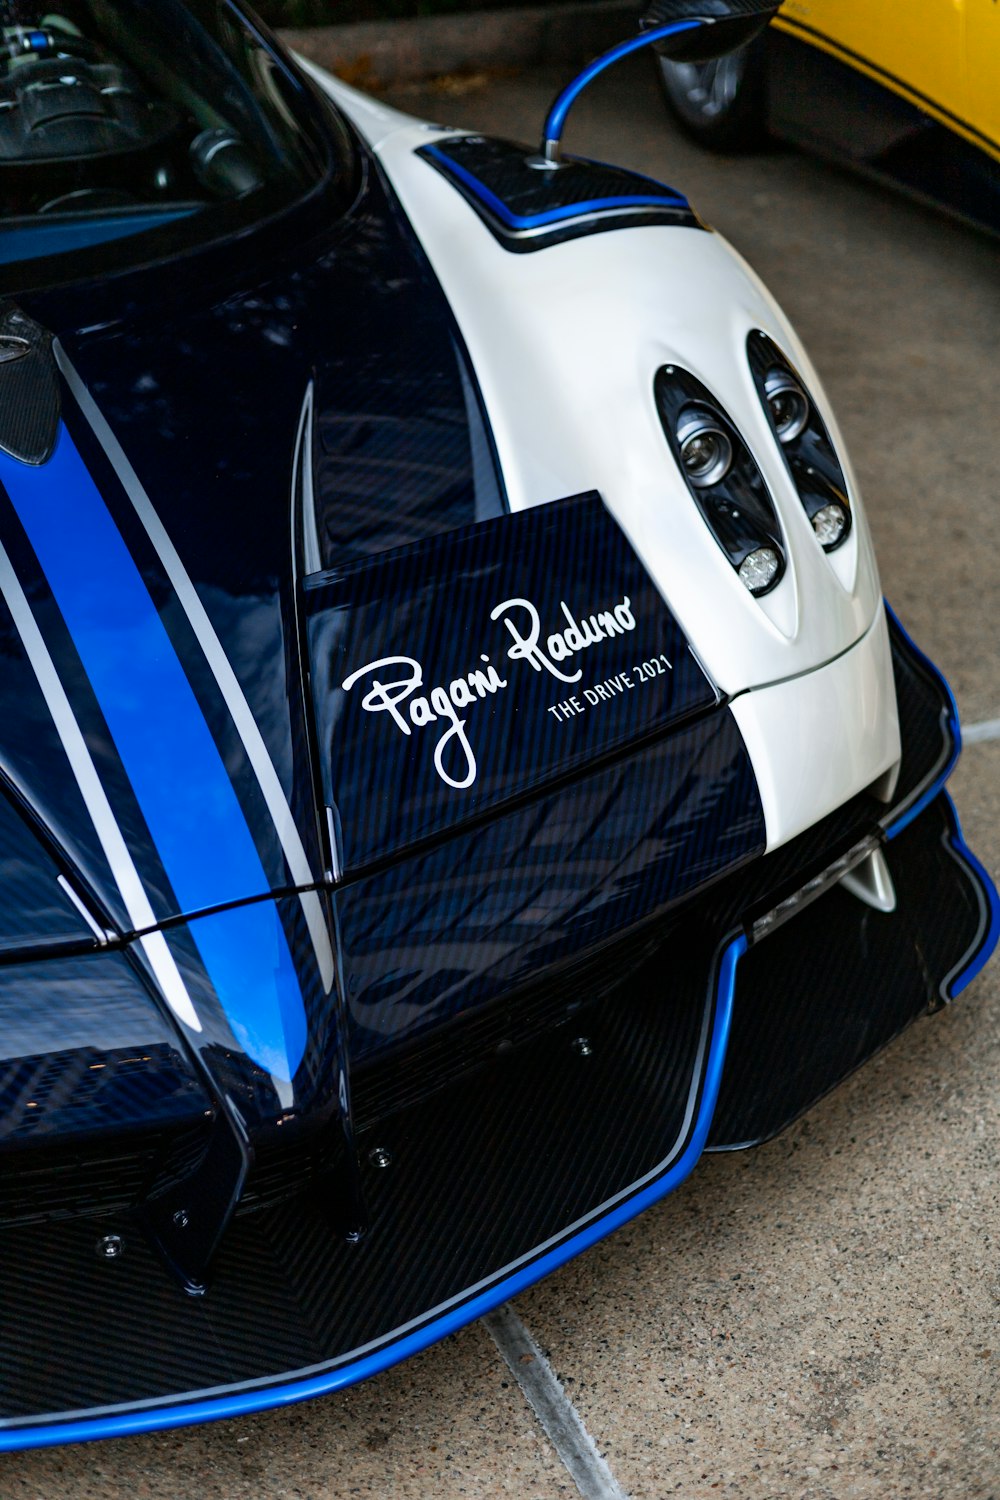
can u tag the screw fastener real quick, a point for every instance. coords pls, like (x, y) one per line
(110, 1247)
(582, 1046)
(181, 1219)
(380, 1156)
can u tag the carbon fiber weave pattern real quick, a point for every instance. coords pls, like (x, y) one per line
(489, 1165)
(836, 983)
(527, 207)
(29, 389)
(468, 1191)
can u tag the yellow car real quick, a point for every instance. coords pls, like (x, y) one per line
(908, 90)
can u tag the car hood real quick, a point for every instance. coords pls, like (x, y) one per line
(150, 626)
(261, 493)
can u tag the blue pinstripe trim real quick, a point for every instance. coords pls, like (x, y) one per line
(989, 942)
(166, 748)
(39, 239)
(929, 793)
(242, 1403)
(497, 206)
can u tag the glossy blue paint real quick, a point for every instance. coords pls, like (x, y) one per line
(287, 1393)
(164, 743)
(555, 120)
(35, 240)
(589, 206)
(992, 935)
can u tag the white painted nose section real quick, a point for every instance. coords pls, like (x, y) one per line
(566, 342)
(817, 740)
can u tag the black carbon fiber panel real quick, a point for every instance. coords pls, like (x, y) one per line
(36, 914)
(479, 1178)
(99, 1177)
(550, 647)
(493, 1150)
(927, 724)
(475, 1038)
(29, 390)
(495, 908)
(528, 206)
(830, 988)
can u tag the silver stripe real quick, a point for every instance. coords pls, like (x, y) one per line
(102, 937)
(229, 686)
(557, 225)
(303, 462)
(110, 835)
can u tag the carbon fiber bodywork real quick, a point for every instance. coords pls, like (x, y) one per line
(528, 206)
(383, 861)
(575, 1099)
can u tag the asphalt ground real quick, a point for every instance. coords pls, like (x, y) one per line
(817, 1318)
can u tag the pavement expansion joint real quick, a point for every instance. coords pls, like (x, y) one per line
(986, 729)
(547, 1398)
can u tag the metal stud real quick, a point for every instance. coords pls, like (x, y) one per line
(380, 1156)
(110, 1247)
(582, 1046)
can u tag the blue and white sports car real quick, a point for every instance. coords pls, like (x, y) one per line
(456, 762)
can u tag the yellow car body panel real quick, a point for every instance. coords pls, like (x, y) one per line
(941, 55)
(982, 52)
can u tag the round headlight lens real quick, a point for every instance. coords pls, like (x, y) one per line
(830, 525)
(706, 451)
(759, 568)
(788, 405)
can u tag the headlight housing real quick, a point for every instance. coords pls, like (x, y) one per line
(723, 477)
(804, 441)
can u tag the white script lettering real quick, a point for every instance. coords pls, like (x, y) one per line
(396, 683)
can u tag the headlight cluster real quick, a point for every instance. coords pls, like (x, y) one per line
(723, 476)
(804, 441)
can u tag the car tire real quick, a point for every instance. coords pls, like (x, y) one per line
(721, 104)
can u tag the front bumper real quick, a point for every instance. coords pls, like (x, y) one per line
(500, 1144)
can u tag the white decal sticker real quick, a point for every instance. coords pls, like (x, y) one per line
(396, 683)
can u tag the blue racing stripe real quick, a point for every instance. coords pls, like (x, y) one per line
(166, 748)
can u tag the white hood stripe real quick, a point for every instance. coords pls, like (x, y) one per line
(219, 664)
(112, 840)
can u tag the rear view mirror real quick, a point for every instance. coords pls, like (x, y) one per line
(687, 30)
(715, 26)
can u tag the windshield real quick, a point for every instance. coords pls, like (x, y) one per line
(121, 120)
